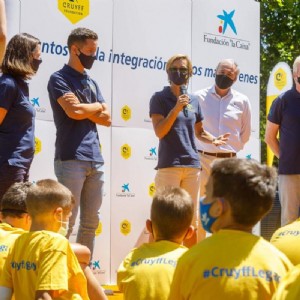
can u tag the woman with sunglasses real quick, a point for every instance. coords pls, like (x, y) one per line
(20, 63)
(177, 119)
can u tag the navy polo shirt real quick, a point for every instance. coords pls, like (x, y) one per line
(75, 139)
(17, 128)
(178, 147)
(285, 111)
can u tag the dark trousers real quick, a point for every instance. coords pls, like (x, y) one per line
(9, 175)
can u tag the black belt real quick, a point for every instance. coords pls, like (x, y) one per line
(219, 154)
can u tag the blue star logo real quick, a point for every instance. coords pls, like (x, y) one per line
(96, 264)
(248, 156)
(227, 19)
(35, 101)
(153, 151)
(125, 187)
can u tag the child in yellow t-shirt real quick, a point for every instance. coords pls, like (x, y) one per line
(147, 271)
(287, 240)
(232, 263)
(42, 263)
(16, 221)
(289, 287)
(14, 217)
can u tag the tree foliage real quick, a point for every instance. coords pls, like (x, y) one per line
(279, 41)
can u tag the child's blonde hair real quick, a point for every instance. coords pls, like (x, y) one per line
(46, 195)
(172, 212)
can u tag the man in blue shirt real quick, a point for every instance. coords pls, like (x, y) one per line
(284, 117)
(78, 106)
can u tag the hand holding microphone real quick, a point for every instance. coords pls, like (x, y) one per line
(183, 91)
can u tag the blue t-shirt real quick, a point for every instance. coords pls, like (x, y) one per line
(75, 139)
(285, 112)
(17, 128)
(178, 147)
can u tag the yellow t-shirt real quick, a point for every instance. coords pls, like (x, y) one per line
(147, 271)
(287, 240)
(43, 260)
(289, 288)
(229, 265)
(8, 235)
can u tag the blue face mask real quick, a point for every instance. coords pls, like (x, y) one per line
(206, 219)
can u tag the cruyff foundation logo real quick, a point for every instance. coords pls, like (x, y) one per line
(227, 32)
(37, 145)
(226, 20)
(74, 10)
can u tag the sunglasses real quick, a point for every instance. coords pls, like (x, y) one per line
(181, 70)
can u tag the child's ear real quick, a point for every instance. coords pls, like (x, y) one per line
(28, 219)
(218, 208)
(149, 226)
(58, 213)
(189, 232)
(27, 222)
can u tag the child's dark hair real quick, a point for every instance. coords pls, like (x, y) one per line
(13, 203)
(247, 185)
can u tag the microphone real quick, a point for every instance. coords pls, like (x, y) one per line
(183, 91)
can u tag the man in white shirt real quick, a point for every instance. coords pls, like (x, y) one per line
(225, 111)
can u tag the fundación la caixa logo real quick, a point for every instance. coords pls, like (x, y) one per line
(227, 31)
(36, 104)
(152, 154)
(125, 191)
(96, 267)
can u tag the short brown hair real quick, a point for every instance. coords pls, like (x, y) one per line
(13, 203)
(18, 55)
(80, 35)
(172, 211)
(47, 195)
(177, 57)
(247, 185)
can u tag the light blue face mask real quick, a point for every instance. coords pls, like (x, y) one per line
(206, 219)
(64, 228)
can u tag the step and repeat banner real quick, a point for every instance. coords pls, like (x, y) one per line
(136, 38)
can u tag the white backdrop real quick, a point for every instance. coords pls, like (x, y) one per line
(136, 37)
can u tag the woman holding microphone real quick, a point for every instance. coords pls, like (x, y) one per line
(177, 119)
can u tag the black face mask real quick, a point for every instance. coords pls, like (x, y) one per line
(86, 60)
(178, 77)
(35, 64)
(223, 82)
(298, 79)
